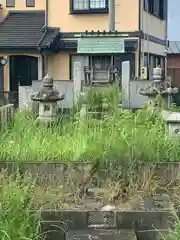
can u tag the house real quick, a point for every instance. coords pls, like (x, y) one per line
(39, 36)
(173, 62)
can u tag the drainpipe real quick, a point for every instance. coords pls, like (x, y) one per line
(112, 15)
(44, 27)
(112, 22)
(166, 39)
(46, 13)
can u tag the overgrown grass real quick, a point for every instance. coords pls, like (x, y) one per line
(122, 135)
(16, 219)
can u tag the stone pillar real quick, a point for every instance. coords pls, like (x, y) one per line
(25, 96)
(77, 80)
(126, 84)
(45, 65)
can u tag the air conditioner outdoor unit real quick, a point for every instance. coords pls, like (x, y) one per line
(144, 73)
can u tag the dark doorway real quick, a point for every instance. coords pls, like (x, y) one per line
(121, 57)
(23, 69)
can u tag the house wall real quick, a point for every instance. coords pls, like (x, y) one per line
(154, 48)
(126, 17)
(21, 5)
(156, 28)
(58, 65)
(153, 25)
(173, 65)
(173, 60)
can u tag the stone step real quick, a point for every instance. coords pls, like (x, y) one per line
(102, 234)
(59, 230)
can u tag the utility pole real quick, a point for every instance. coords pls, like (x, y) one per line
(112, 15)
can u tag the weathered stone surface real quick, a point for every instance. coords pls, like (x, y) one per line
(158, 202)
(77, 224)
(102, 234)
(165, 172)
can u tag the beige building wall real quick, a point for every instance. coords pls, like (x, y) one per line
(127, 12)
(58, 65)
(21, 5)
(153, 25)
(147, 46)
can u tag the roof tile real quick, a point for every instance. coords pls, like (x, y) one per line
(24, 29)
(174, 47)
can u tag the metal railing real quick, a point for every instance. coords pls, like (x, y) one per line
(9, 97)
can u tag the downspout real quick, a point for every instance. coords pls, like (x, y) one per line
(112, 15)
(46, 13)
(112, 23)
(140, 30)
(45, 27)
(166, 37)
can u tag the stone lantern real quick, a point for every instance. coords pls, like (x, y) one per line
(47, 97)
(172, 123)
(159, 86)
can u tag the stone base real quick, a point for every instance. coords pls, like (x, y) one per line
(47, 120)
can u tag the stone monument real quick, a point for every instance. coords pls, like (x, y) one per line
(47, 97)
(159, 86)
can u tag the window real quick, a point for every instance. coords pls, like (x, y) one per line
(89, 5)
(30, 3)
(146, 62)
(155, 7)
(148, 5)
(10, 3)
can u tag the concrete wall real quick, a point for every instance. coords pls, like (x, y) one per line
(130, 89)
(70, 88)
(126, 17)
(66, 87)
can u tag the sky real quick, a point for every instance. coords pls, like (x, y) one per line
(174, 20)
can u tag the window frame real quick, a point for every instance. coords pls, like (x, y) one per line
(89, 10)
(10, 5)
(30, 5)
